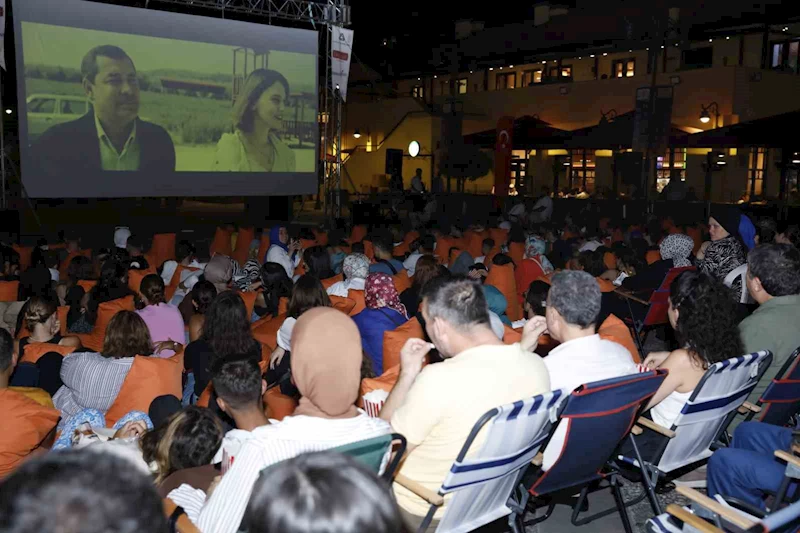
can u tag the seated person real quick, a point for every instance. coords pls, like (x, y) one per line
(317, 262)
(773, 281)
(93, 380)
(384, 313)
(422, 246)
(342, 491)
(135, 247)
(163, 320)
(427, 268)
(355, 269)
(112, 285)
(486, 248)
(41, 319)
(329, 382)
(203, 293)
(534, 264)
(26, 427)
(436, 407)
(384, 261)
(185, 255)
(97, 490)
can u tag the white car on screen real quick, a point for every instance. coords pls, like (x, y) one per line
(46, 110)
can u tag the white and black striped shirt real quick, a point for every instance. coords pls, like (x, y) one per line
(91, 381)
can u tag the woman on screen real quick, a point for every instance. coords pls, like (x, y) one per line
(254, 145)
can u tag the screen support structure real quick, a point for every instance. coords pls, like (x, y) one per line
(328, 13)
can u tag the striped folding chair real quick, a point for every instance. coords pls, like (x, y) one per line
(483, 484)
(781, 399)
(595, 418)
(698, 430)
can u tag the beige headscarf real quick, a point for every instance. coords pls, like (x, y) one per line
(219, 272)
(326, 363)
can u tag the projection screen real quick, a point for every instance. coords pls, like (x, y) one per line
(121, 102)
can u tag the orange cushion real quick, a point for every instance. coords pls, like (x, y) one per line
(249, 299)
(475, 242)
(87, 284)
(9, 291)
(502, 278)
(62, 319)
(652, 256)
(357, 234)
(32, 352)
(401, 250)
(266, 329)
(23, 426)
(243, 240)
(610, 260)
(221, 243)
(162, 249)
(443, 245)
(516, 251)
(385, 381)
(25, 253)
(205, 397)
(358, 298)
(263, 245)
(613, 329)
(344, 305)
(401, 281)
(148, 378)
(105, 312)
(330, 281)
(279, 406)
(135, 278)
(393, 341)
(369, 250)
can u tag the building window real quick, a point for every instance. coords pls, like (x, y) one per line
(785, 56)
(757, 170)
(418, 91)
(582, 170)
(623, 68)
(461, 86)
(529, 77)
(564, 74)
(671, 165)
(506, 81)
(519, 165)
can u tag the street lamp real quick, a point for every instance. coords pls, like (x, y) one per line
(413, 148)
(705, 116)
(357, 134)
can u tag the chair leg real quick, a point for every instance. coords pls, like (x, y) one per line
(649, 484)
(623, 511)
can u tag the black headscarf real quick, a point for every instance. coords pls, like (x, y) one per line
(728, 217)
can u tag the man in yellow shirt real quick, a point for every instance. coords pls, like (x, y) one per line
(436, 407)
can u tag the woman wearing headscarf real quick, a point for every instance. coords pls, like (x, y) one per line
(533, 266)
(384, 312)
(219, 272)
(326, 367)
(282, 251)
(355, 269)
(724, 252)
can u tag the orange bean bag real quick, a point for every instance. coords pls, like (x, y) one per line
(652, 256)
(502, 278)
(358, 298)
(87, 284)
(393, 341)
(613, 329)
(266, 329)
(401, 281)
(510, 336)
(162, 249)
(24, 424)
(345, 305)
(25, 253)
(475, 242)
(321, 236)
(105, 312)
(443, 245)
(401, 250)
(499, 235)
(330, 281)
(148, 378)
(249, 299)
(135, 278)
(62, 319)
(221, 243)
(243, 240)
(610, 260)
(9, 291)
(357, 234)
(516, 251)
(263, 245)
(385, 381)
(62, 269)
(279, 406)
(33, 352)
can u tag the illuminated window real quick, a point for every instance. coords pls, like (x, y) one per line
(757, 170)
(564, 74)
(461, 86)
(529, 77)
(582, 170)
(506, 81)
(670, 165)
(566, 71)
(623, 68)
(519, 166)
(418, 91)
(785, 56)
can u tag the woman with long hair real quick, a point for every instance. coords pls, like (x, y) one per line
(384, 313)
(703, 315)
(163, 320)
(318, 262)
(276, 285)
(226, 334)
(254, 145)
(203, 293)
(426, 268)
(93, 380)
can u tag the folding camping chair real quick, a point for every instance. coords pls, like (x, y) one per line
(781, 400)
(372, 453)
(594, 419)
(483, 484)
(657, 308)
(696, 432)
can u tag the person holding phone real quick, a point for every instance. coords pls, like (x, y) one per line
(283, 251)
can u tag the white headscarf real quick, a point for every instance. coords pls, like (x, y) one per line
(121, 237)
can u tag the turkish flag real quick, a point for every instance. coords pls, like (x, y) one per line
(502, 155)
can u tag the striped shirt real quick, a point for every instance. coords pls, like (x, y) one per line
(223, 512)
(91, 381)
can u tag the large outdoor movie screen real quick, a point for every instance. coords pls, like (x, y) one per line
(119, 102)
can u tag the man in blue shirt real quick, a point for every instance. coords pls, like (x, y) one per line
(384, 262)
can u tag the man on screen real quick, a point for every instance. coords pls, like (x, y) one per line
(111, 136)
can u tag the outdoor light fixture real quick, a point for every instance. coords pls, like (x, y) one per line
(491, 68)
(711, 40)
(728, 38)
(8, 111)
(511, 66)
(605, 54)
(357, 134)
(796, 158)
(413, 148)
(705, 113)
(591, 55)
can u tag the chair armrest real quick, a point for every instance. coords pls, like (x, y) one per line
(789, 458)
(726, 513)
(426, 494)
(649, 424)
(692, 519)
(749, 407)
(538, 459)
(796, 448)
(636, 430)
